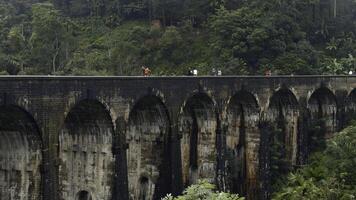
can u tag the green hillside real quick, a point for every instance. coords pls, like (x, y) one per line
(117, 37)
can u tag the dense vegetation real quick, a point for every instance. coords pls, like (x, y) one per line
(329, 175)
(203, 191)
(117, 37)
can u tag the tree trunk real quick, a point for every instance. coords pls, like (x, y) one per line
(54, 62)
(54, 58)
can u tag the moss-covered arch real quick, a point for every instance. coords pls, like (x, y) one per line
(148, 137)
(198, 122)
(20, 154)
(242, 142)
(283, 112)
(322, 105)
(85, 151)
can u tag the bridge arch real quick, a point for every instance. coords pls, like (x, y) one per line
(148, 155)
(322, 107)
(350, 106)
(242, 141)
(198, 122)
(352, 94)
(284, 111)
(84, 195)
(20, 154)
(279, 134)
(85, 151)
(74, 101)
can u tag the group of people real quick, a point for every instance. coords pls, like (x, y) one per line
(214, 72)
(193, 72)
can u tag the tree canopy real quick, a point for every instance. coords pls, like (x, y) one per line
(172, 36)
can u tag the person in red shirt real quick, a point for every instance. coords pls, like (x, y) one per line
(146, 71)
(268, 72)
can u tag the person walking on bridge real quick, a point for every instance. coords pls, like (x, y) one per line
(146, 71)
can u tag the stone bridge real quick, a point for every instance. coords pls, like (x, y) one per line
(139, 138)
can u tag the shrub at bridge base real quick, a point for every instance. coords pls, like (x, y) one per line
(203, 191)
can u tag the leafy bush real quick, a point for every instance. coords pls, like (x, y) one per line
(203, 191)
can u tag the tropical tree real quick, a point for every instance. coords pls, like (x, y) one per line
(50, 37)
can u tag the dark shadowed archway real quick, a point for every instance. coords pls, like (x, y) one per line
(242, 140)
(284, 111)
(198, 126)
(85, 152)
(279, 139)
(148, 160)
(84, 195)
(322, 108)
(350, 107)
(20, 155)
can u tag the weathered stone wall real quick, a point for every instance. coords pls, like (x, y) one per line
(198, 130)
(284, 108)
(85, 153)
(242, 143)
(144, 137)
(20, 155)
(147, 156)
(322, 105)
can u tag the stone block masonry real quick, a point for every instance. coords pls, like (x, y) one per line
(140, 138)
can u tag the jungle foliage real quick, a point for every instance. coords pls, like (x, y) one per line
(117, 37)
(330, 174)
(203, 191)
